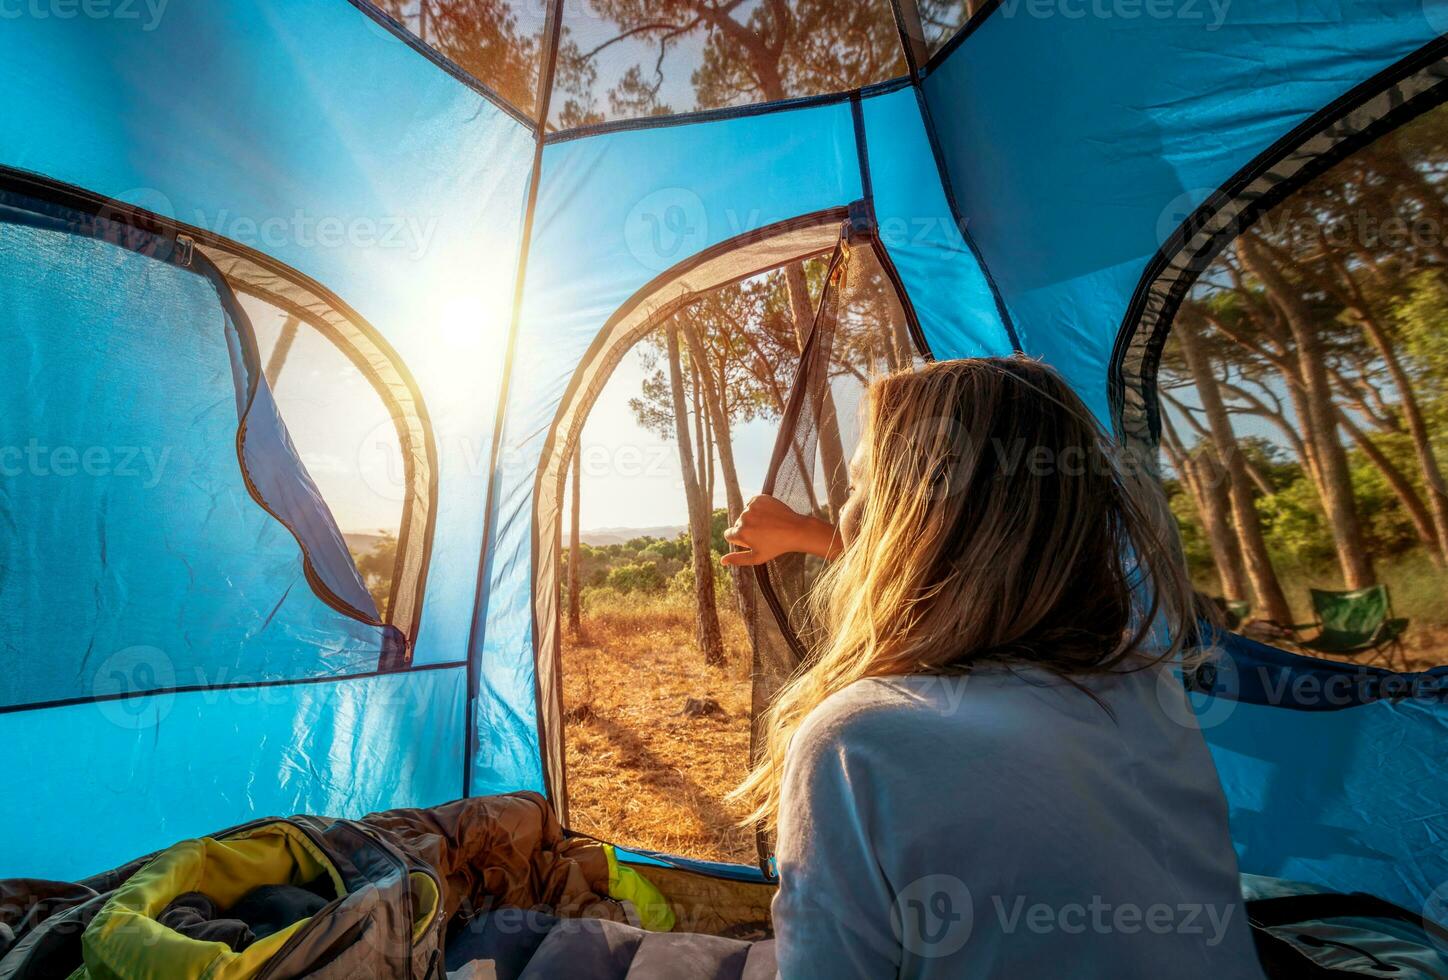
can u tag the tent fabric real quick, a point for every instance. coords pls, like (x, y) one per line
(193, 564)
(160, 768)
(1250, 672)
(941, 274)
(655, 201)
(314, 135)
(1400, 93)
(1077, 145)
(1331, 770)
(1027, 180)
(1349, 800)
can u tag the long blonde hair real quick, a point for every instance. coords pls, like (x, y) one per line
(998, 525)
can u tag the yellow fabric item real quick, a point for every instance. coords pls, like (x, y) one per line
(626, 884)
(125, 942)
(426, 900)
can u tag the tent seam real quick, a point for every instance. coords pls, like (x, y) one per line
(477, 635)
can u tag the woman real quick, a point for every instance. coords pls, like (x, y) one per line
(987, 770)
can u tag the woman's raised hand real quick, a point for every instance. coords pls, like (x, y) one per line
(768, 528)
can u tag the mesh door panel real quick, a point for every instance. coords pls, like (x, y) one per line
(860, 332)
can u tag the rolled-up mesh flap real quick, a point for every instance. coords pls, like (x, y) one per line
(859, 332)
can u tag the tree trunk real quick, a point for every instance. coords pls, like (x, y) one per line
(1406, 493)
(719, 420)
(1270, 597)
(718, 409)
(1206, 479)
(1436, 489)
(706, 621)
(575, 609)
(1358, 302)
(831, 447)
(904, 345)
(280, 350)
(1337, 494)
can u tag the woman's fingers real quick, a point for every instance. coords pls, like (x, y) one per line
(765, 529)
(741, 559)
(739, 535)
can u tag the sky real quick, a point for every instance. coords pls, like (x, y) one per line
(631, 476)
(340, 426)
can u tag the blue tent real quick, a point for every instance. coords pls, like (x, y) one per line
(189, 641)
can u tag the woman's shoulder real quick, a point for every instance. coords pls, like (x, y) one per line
(1014, 706)
(883, 710)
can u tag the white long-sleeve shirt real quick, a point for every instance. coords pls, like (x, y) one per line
(1004, 825)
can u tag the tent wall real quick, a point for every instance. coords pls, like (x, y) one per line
(1077, 145)
(1348, 798)
(98, 784)
(616, 212)
(306, 131)
(169, 562)
(309, 132)
(941, 276)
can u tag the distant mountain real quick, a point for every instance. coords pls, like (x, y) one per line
(599, 537)
(360, 544)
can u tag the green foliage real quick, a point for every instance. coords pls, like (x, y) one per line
(1298, 536)
(1420, 317)
(635, 577)
(1195, 547)
(681, 586)
(647, 565)
(1338, 291)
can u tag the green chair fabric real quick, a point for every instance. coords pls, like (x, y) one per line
(1356, 621)
(1237, 610)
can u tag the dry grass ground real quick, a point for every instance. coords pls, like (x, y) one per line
(640, 771)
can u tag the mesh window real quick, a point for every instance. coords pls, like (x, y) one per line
(940, 19)
(625, 59)
(158, 528)
(345, 436)
(1303, 395)
(498, 42)
(859, 333)
(657, 694)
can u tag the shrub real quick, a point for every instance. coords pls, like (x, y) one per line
(637, 577)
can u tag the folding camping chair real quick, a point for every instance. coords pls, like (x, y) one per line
(1355, 622)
